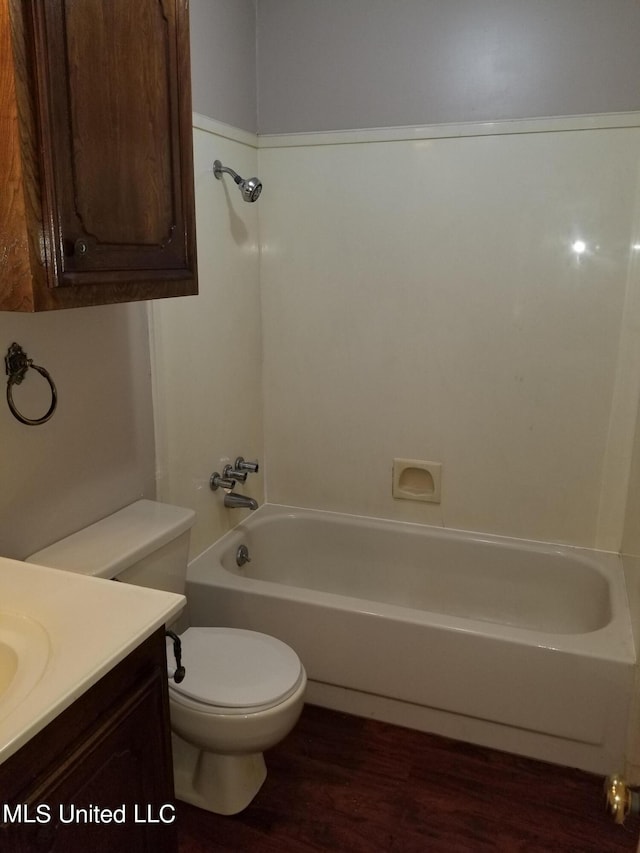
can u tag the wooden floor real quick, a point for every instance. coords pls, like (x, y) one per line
(341, 783)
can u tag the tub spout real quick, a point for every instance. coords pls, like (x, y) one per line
(233, 500)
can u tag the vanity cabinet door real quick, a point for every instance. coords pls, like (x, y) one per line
(98, 755)
(104, 109)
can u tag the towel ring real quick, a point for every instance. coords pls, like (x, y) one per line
(16, 366)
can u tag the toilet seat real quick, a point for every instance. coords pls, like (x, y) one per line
(234, 671)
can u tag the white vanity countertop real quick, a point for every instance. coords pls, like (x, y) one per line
(92, 624)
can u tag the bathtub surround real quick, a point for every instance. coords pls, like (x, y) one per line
(471, 333)
(207, 353)
(430, 304)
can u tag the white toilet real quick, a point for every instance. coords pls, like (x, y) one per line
(243, 691)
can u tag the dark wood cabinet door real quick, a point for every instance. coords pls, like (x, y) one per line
(103, 106)
(107, 754)
(112, 122)
(109, 793)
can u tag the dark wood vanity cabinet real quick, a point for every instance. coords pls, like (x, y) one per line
(110, 750)
(96, 161)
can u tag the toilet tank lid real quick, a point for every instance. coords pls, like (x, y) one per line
(115, 543)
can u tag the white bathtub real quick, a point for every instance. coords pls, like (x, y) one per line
(517, 645)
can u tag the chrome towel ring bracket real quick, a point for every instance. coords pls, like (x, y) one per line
(16, 365)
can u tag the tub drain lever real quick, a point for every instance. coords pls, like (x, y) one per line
(242, 556)
(180, 672)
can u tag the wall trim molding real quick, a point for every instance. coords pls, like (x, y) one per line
(561, 124)
(228, 131)
(605, 121)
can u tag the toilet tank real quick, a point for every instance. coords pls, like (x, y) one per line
(146, 543)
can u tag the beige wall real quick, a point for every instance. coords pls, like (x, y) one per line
(96, 454)
(207, 348)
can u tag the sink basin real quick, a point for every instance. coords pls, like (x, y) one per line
(24, 652)
(8, 666)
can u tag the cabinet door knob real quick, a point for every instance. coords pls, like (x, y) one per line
(80, 248)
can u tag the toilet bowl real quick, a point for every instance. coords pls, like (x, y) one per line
(243, 691)
(242, 694)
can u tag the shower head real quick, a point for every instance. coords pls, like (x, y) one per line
(249, 187)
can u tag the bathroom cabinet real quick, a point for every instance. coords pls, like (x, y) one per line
(110, 750)
(96, 159)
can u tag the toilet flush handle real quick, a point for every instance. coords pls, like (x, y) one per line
(180, 672)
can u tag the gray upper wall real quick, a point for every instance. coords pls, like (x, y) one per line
(223, 60)
(340, 64)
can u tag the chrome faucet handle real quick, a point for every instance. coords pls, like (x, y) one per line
(249, 467)
(229, 472)
(218, 482)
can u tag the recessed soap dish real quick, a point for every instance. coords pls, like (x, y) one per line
(417, 480)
